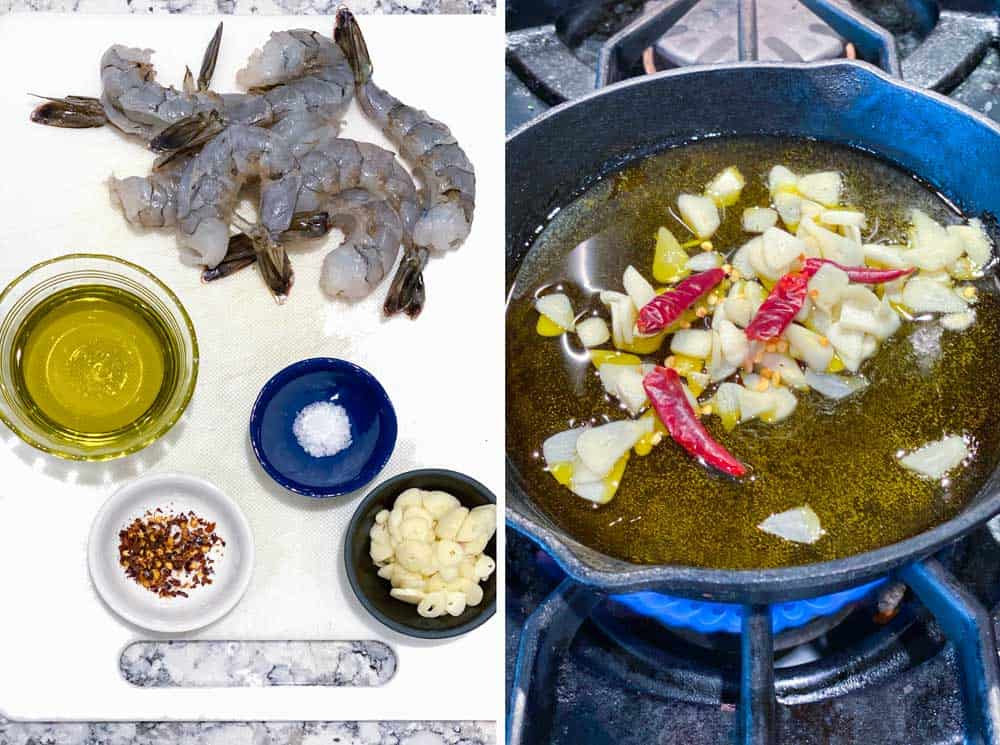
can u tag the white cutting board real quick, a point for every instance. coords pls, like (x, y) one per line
(59, 645)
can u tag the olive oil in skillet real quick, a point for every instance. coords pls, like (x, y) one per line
(838, 458)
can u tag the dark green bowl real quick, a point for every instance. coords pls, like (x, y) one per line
(373, 591)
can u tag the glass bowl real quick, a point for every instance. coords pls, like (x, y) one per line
(43, 280)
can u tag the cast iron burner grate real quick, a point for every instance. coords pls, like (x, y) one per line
(557, 49)
(584, 670)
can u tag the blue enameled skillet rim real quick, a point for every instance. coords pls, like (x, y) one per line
(842, 78)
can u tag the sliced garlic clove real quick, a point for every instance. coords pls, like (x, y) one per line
(467, 567)
(935, 459)
(455, 603)
(439, 503)
(700, 214)
(409, 498)
(449, 525)
(475, 546)
(781, 178)
(473, 593)
(823, 187)
(415, 529)
(593, 331)
(407, 595)
(434, 583)
(403, 578)
(558, 309)
(380, 551)
(759, 219)
(726, 186)
(799, 525)
(692, 343)
(432, 605)
(485, 566)
(637, 287)
(414, 556)
(448, 553)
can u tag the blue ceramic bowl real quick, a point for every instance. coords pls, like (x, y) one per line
(373, 427)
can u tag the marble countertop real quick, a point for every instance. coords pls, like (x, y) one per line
(249, 733)
(239, 664)
(249, 7)
(234, 664)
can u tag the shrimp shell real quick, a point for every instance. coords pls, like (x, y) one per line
(150, 201)
(373, 231)
(210, 185)
(447, 176)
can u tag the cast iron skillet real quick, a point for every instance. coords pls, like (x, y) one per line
(554, 157)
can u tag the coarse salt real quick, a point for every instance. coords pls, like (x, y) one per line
(322, 429)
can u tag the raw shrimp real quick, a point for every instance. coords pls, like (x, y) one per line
(337, 164)
(331, 168)
(300, 69)
(150, 201)
(131, 98)
(447, 176)
(373, 231)
(209, 188)
(297, 72)
(138, 105)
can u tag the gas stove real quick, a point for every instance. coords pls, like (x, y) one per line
(913, 661)
(603, 674)
(558, 49)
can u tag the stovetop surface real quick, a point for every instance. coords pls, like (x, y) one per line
(628, 681)
(907, 20)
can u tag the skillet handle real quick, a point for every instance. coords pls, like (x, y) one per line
(969, 628)
(545, 638)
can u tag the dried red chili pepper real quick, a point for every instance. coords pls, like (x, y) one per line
(789, 295)
(779, 308)
(863, 274)
(666, 308)
(663, 386)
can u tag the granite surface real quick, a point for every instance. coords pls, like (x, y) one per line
(229, 664)
(250, 7)
(249, 733)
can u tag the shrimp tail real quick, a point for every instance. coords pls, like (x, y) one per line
(188, 133)
(209, 60)
(240, 254)
(347, 34)
(275, 267)
(406, 294)
(71, 112)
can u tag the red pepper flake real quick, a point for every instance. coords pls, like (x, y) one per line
(663, 386)
(666, 308)
(169, 554)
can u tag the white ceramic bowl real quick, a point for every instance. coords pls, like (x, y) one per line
(179, 493)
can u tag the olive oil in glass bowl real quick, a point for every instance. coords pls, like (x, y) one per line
(98, 358)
